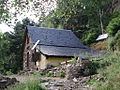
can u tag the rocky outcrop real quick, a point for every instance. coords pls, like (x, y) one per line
(6, 81)
(63, 84)
(77, 70)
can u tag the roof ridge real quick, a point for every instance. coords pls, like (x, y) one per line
(63, 46)
(50, 28)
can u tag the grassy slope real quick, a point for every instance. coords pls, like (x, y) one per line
(31, 85)
(102, 45)
(111, 74)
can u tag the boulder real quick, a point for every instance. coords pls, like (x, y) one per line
(6, 81)
(77, 70)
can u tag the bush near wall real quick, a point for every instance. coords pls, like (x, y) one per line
(114, 42)
(32, 85)
(114, 24)
(111, 74)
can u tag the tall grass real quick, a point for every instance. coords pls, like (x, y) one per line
(32, 85)
(111, 74)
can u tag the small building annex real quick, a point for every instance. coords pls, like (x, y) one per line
(46, 46)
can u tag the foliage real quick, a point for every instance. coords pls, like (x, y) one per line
(97, 63)
(12, 10)
(3, 11)
(74, 61)
(32, 85)
(80, 16)
(111, 74)
(4, 53)
(43, 74)
(92, 67)
(92, 81)
(114, 26)
(9, 73)
(10, 48)
(43, 81)
(47, 74)
(90, 36)
(60, 74)
(16, 40)
(114, 42)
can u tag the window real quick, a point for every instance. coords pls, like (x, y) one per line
(28, 48)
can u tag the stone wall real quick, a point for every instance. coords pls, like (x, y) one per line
(77, 70)
(27, 50)
(71, 71)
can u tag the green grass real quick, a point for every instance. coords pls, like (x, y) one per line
(111, 73)
(91, 81)
(58, 74)
(9, 73)
(32, 85)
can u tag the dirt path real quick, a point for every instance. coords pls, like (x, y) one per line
(25, 78)
(54, 83)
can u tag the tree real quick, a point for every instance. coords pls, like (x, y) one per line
(114, 24)
(83, 17)
(114, 42)
(16, 39)
(11, 10)
(4, 53)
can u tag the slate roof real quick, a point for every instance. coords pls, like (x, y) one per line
(54, 42)
(66, 51)
(54, 37)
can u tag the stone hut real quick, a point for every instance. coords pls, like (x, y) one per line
(43, 47)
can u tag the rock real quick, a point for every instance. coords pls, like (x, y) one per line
(85, 79)
(73, 72)
(75, 80)
(87, 86)
(46, 84)
(100, 79)
(6, 81)
(13, 80)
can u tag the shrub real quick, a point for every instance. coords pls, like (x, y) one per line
(9, 73)
(111, 74)
(92, 66)
(60, 74)
(91, 36)
(1, 76)
(114, 42)
(113, 26)
(32, 85)
(74, 61)
(91, 81)
(49, 75)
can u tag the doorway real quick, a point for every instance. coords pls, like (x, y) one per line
(27, 60)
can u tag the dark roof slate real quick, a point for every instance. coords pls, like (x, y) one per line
(66, 51)
(55, 42)
(54, 37)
